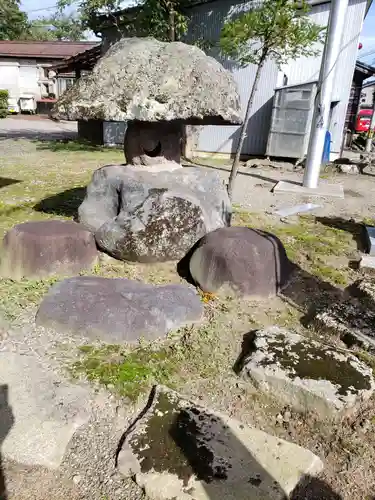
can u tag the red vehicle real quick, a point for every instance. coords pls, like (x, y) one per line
(362, 122)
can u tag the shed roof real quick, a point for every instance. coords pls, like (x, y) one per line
(82, 61)
(45, 50)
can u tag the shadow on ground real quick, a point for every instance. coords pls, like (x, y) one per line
(38, 135)
(247, 174)
(356, 229)
(69, 145)
(6, 423)
(65, 203)
(189, 442)
(6, 181)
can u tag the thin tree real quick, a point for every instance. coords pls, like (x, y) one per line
(274, 29)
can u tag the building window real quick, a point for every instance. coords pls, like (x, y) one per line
(63, 84)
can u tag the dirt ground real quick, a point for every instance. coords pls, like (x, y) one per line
(47, 179)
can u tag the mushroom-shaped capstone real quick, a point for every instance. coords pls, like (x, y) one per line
(157, 87)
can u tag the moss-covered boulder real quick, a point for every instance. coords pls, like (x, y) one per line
(305, 374)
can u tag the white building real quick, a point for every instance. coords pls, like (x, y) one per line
(25, 67)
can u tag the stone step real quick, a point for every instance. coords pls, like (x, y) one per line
(180, 450)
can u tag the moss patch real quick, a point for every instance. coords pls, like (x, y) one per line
(127, 373)
(308, 361)
(173, 441)
(310, 241)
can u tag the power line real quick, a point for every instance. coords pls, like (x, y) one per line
(44, 8)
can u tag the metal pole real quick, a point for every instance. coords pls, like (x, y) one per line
(370, 133)
(323, 100)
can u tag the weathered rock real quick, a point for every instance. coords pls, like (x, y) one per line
(146, 80)
(118, 310)
(248, 262)
(365, 288)
(179, 450)
(44, 248)
(307, 375)
(147, 214)
(352, 321)
(150, 143)
(370, 239)
(349, 169)
(39, 411)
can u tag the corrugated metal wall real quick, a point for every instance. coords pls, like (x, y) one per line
(307, 69)
(206, 22)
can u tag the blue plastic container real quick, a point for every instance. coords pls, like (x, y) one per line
(327, 148)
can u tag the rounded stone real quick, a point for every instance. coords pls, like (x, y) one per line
(246, 262)
(45, 248)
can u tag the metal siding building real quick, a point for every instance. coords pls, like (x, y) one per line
(206, 22)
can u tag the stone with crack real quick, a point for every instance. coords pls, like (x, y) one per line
(182, 451)
(306, 374)
(154, 213)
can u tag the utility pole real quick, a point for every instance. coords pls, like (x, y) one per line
(370, 133)
(323, 100)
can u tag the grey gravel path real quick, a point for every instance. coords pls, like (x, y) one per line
(87, 468)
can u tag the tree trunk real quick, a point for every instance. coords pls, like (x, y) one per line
(172, 30)
(236, 161)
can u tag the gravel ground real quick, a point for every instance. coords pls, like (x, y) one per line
(253, 191)
(88, 468)
(29, 127)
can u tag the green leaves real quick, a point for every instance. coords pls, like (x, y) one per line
(13, 22)
(56, 27)
(280, 29)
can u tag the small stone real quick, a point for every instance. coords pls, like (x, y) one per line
(367, 262)
(307, 375)
(370, 239)
(349, 169)
(189, 452)
(351, 320)
(287, 416)
(77, 478)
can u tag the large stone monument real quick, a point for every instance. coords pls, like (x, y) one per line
(152, 209)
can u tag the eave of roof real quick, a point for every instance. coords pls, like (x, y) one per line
(42, 50)
(364, 68)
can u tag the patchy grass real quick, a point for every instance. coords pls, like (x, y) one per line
(127, 373)
(45, 183)
(311, 241)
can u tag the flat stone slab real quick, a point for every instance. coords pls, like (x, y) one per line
(45, 248)
(307, 375)
(118, 310)
(370, 239)
(351, 320)
(179, 450)
(323, 189)
(367, 262)
(38, 412)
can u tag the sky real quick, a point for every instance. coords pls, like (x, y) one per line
(368, 37)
